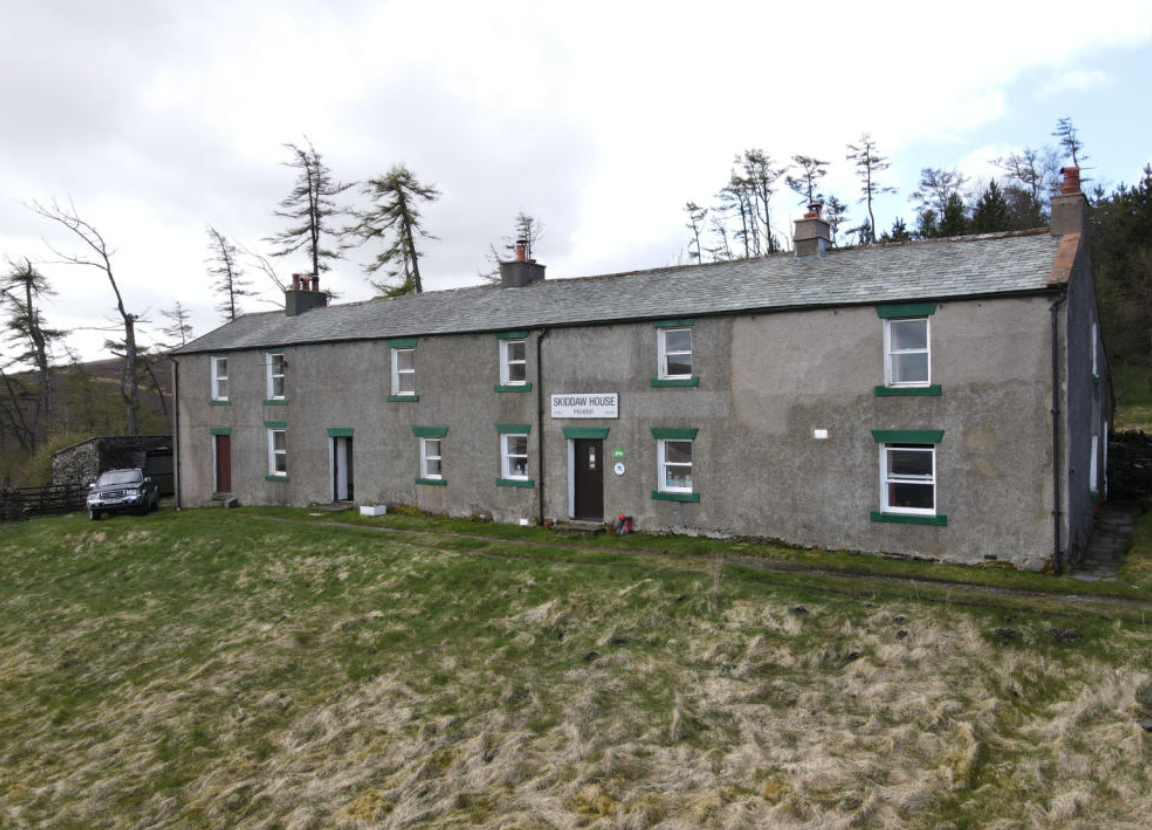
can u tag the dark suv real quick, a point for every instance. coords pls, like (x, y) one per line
(118, 490)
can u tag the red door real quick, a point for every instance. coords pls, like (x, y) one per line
(223, 463)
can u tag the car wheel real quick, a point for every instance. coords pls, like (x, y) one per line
(94, 515)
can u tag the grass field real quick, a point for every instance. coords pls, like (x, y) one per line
(1133, 388)
(260, 669)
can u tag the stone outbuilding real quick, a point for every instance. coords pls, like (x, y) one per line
(83, 462)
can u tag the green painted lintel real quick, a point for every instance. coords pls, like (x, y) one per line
(276, 402)
(516, 387)
(586, 432)
(217, 354)
(512, 335)
(515, 482)
(907, 436)
(339, 432)
(909, 519)
(276, 424)
(513, 429)
(910, 391)
(402, 342)
(276, 478)
(275, 350)
(660, 495)
(435, 482)
(665, 434)
(221, 430)
(403, 398)
(429, 432)
(900, 311)
(660, 382)
(219, 403)
(683, 322)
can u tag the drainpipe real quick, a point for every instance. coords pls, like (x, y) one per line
(1056, 512)
(176, 428)
(540, 416)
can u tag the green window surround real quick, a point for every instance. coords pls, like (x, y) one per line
(663, 434)
(403, 399)
(662, 382)
(586, 432)
(515, 482)
(435, 482)
(519, 387)
(221, 430)
(402, 342)
(218, 354)
(908, 519)
(902, 311)
(910, 391)
(682, 323)
(276, 402)
(275, 350)
(512, 335)
(907, 436)
(693, 498)
(219, 403)
(276, 424)
(276, 478)
(339, 432)
(513, 429)
(429, 432)
(1095, 378)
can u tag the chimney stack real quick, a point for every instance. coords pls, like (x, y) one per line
(304, 295)
(521, 271)
(1070, 206)
(812, 234)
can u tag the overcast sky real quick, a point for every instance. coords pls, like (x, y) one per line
(602, 119)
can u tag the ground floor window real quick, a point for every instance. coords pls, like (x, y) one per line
(675, 466)
(514, 456)
(430, 458)
(277, 452)
(908, 478)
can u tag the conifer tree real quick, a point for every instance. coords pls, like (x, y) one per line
(695, 224)
(954, 220)
(309, 207)
(225, 267)
(991, 212)
(179, 331)
(1070, 141)
(865, 156)
(806, 183)
(22, 290)
(835, 214)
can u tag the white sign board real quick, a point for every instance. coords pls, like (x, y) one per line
(586, 405)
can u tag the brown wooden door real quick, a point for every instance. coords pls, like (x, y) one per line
(589, 480)
(223, 463)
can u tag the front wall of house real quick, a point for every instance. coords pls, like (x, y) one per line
(764, 383)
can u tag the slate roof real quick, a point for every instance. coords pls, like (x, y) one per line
(937, 270)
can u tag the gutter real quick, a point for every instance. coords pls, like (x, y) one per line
(1057, 514)
(176, 428)
(540, 417)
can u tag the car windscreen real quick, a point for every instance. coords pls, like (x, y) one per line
(119, 477)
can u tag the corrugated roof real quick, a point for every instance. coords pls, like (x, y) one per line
(979, 265)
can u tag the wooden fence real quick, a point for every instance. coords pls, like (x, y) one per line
(21, 502)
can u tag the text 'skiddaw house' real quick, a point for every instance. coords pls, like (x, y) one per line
(946, 399)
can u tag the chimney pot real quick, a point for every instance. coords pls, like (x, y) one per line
(521, 250)
(1071, 180)
(295, 282)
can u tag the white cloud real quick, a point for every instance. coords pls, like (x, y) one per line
(1073, 80)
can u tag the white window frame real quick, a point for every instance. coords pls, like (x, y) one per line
(425, 456)
(1094, 467)
(273, 452)
(662, 353)
(885, 480)
(217, 377)
(1095, 339)
(506, 362)
(397, 371)
(270, 376)
(506, 456)
(889, 353)
(662, 464)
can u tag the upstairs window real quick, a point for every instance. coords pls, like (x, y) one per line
(274, 369)
(513, 362)
(908, 479)
(675, 353)
(219, 378)
(403, 372)
(907, 352)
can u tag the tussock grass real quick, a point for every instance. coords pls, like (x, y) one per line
(208, 670)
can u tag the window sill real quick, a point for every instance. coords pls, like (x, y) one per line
(219, 403)
(662, 382)
(512, 387)
(276, 402)
(276, 478)
(403, 398)
(909, 518)
(898, 391)
(515, 482)
(435, 482)
(660, 495)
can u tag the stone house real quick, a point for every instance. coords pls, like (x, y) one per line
(946, 399)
